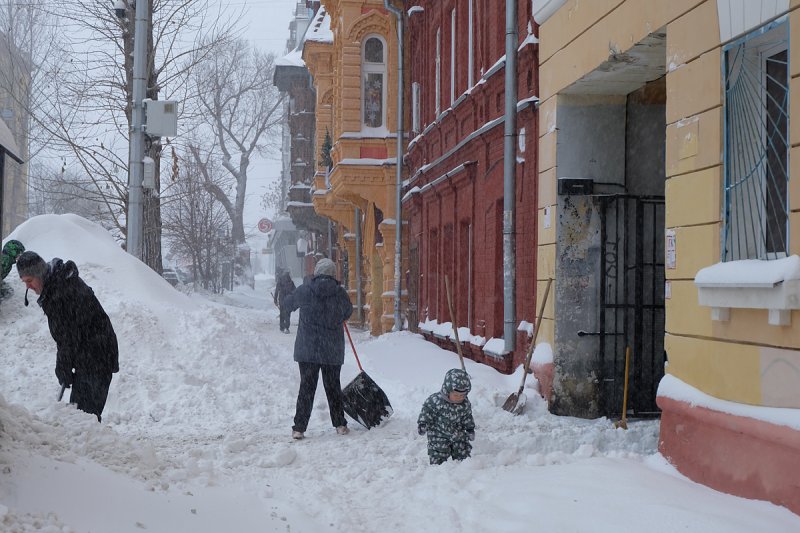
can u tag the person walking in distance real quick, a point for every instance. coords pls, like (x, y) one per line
(319, 345)
(87, 352)
(284, 286)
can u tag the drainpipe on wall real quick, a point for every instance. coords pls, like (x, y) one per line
(359, 309)
(509, 175)
(398, 225)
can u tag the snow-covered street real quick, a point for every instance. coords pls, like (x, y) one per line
(196, 434)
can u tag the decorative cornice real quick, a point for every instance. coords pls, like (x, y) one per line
(372, 22)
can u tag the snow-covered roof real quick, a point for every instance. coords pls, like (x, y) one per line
(320, 28)
(292, 59)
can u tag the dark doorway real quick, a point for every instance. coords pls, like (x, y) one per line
(631, 311)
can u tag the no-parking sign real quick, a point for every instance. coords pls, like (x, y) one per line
(264, 225)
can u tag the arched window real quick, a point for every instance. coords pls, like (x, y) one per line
(373, 83)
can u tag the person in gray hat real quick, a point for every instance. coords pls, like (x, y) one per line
(87, 353)
(319, 346)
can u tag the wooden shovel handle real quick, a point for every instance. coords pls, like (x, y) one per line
(529, 355)
(353, 346)
(453, 321)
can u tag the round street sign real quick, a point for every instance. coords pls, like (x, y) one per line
(264, 225)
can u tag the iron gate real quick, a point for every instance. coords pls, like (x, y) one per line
(631, 301)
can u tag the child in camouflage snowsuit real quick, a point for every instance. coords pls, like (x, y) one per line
(11, 250)
(447, 419)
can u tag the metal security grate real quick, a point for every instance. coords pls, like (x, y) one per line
(756, 206)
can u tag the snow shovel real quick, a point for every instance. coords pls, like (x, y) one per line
(453, 321)
(364, 401)
(515, 403)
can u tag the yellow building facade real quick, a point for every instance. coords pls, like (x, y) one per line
(353, 61)
(697, 103)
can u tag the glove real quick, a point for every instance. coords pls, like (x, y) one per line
(421, 430)
(471, 435)
(64, 375)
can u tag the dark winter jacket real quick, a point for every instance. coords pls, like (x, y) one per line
(324, 306)
(444, 420)
(283, 288)
(84, 336)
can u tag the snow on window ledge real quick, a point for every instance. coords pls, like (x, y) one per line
(751, 284)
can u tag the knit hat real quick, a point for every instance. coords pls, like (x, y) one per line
(31, 264)
(13, 248)
(325, 267)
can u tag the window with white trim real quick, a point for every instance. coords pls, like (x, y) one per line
(453, 56)
(415, 90)
(470, 51)
(438, 106)
(373, 83)
(756, 203)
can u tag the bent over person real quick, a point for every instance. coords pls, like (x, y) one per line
(87, 351)
(319, 345)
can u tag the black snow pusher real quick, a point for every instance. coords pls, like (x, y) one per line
(364, 401)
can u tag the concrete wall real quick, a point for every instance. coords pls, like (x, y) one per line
(576, 367)
(591, 138)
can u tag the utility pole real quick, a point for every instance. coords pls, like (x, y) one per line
(136, 157)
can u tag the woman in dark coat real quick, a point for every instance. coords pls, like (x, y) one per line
(85, 339)
(319, 346)
(284, 286)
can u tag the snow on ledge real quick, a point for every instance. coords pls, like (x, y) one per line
(751, 284)
(676, 389)
(495, 347)
(543, 354)
(749, 273)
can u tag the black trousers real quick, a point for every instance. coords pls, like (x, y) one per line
(309, 374)
(90, 391)
(284, 318)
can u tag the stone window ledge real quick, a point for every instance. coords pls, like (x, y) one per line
(751, 284)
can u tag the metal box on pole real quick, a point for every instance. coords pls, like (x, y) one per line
(161, 117)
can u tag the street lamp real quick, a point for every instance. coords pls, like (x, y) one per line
(136, 150)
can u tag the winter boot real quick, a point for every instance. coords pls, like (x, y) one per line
(297, 435)
(342, 430)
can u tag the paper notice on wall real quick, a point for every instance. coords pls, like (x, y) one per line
(669, 236)
(667, 290)
(547, 217)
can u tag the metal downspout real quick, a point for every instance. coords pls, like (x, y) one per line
(509, 175)
(398, 225)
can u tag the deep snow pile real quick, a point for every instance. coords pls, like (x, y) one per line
(196, 431)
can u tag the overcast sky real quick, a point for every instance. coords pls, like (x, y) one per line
(268, 30)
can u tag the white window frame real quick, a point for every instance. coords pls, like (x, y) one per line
(739, 213)
(374, 68)
(438, 104)
(453, 55)
(470, 51)
(415, 92)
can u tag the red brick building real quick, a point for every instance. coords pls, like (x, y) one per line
(454, 201)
